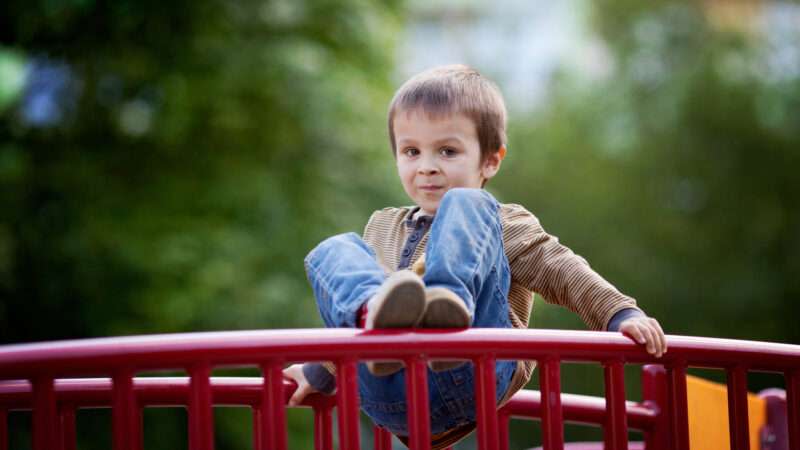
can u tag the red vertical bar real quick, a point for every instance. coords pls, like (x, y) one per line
(793, 407)
(347, 405)
(67, 419)
(323, 428)
(3, 429)
(383, 439)
(654, 396)
(504, 422)
(273, 408)
(419, 424)
(125, 414)
(486, 403)
(615, 431)
(678, 407)
(201, 416)
(45, 419)
(738, 423)
(258, 437)
(552, 415)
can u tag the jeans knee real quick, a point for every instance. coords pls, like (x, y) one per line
(342, 239)
(332, 244)
(468, 197)
(345, 243)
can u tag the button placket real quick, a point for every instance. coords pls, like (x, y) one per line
(418, 228)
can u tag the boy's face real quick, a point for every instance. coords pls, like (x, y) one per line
(436, 155)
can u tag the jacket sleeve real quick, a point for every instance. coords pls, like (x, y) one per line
(542, 264)
(319, 377)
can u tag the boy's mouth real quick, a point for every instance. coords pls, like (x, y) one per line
(430, 187)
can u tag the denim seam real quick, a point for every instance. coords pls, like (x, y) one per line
(334, 308)
(484, 249)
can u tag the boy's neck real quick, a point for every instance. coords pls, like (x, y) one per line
(418, 212)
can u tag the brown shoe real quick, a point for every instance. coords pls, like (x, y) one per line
(444, 309)
(399, 303)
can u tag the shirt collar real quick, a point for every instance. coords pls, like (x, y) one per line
(422, 221)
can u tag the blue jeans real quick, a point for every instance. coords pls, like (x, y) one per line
(464, 254)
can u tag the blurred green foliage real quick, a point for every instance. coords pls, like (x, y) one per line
(676, 175)
(169, 164)
(200, 149)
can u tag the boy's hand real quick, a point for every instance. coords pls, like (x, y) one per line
(295, 373)
(646, 330)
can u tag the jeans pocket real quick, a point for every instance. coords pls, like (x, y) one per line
(390, 415)
(461, 375)
(501, 298)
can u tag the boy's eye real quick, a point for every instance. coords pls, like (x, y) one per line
(447, 151)
(411, 151)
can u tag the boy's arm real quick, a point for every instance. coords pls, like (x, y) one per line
(319, 377)
(303, 375)
(540, 263)
(543, 265)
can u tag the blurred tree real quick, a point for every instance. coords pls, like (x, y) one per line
(676, 172)
(169, 164)
(673, 171)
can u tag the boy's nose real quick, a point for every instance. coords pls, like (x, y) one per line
(427, 169)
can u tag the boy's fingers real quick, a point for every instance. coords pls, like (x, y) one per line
(650, 338)
(657, 337)
(644, 335)
(660, 332)
(298, 396)
(635, 333)
(642, 331)
(659, 341)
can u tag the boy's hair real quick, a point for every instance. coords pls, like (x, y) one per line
(455, 89)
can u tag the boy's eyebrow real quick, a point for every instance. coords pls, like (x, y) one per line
(410, 141)
(406, 141)
(448, 139)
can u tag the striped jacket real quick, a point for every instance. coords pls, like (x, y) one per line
(538, 262)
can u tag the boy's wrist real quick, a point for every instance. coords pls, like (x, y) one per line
(621, 316)
(319, 378)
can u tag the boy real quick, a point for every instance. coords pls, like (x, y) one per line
(482, 260)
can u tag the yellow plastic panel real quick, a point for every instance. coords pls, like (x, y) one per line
(708, 415)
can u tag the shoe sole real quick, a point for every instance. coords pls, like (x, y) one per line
(402, 307)
(444, 310)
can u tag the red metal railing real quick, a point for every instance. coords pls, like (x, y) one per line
(73, 394)
(54, 402)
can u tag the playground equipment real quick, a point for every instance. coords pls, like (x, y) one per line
(50, 379)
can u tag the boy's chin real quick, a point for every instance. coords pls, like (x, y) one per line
(428, 209)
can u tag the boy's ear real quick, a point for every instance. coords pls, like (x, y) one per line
(492, 163)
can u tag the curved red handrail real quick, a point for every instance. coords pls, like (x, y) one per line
(96, 356)
(197, 353)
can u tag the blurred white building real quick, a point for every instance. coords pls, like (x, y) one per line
(520, 43)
